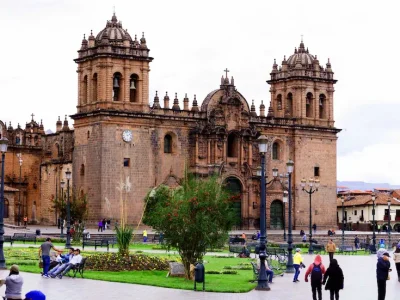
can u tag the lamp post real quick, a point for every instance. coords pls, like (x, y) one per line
(68, 242)
(285, 200)
(289, 265)
(262, 275)
(3, 150)
(62, 184)
(342, 221)
(310, 191)
(389, 244)
(373, 246)
(19, 193)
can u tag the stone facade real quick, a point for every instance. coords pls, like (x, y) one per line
(217, 138)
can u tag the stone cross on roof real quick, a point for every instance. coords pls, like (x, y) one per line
(226, 72)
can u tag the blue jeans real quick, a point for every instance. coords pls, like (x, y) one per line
(46, 264)
(297, 272)
(55, 269)
(270, 274)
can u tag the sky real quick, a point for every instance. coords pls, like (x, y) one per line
(193, 42)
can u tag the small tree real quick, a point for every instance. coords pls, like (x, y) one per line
(192, 217)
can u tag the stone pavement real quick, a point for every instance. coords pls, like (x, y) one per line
(359, 272)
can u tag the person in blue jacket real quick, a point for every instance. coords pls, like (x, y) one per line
(382, 274)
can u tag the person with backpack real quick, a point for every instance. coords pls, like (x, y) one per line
(316, 271)
(334, 279)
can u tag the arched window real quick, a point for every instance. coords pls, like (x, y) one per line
(322, 106)
(84, 89)
(309, 105)
(289, 105)
(94, 88)
(232, 145)
(167, 143)
(82, 171)
(6, 209)
(275, 150)
(279, 102)
(117, 87)
(133, 88)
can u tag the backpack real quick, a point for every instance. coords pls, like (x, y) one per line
(316, 273)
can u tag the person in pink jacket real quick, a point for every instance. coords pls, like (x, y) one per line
(316, 271)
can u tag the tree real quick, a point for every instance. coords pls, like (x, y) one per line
(192, 217)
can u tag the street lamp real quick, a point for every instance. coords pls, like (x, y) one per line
(389, 201)
(3, 150)
(373, 247)
(262, 275)
(285, 200)
(289, 265)
(342, 221)
(68, 242)
(19, 155)
(62, 184)
(313, 185)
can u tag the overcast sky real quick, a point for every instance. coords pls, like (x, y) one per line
(193, 42)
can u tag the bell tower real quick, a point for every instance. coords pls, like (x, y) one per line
(113, 71)
(303, 89)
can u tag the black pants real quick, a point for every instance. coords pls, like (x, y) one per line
(398, 270)
(330, 256)
(100, 229)
(381, 289)
(316, 286)
(334, 293)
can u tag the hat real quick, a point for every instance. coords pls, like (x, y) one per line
(14, 268)
(298, 249)
(35, 295)
(386, 254)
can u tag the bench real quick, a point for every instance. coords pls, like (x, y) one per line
(95, 243)
(255, 271)
(9, 239)
(110, 240)
(236, 248)
(78, 269)
(24, 237)
(347, 249)
(237, 240)
(318, 249)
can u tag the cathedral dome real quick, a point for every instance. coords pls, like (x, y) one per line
(301, 56)
(113, 32)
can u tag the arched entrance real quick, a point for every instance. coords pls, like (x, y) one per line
(276, 220)
(234, 186)
(396, 227)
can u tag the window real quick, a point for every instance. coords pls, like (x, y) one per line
(289, 105)
(355, 213)
(275, 150)
(127, 162)
(279, 102)
(133, 88)
(232, 145)
(309, 105)
(94, 88)
(82, 171)
(6, 209)
(117, 83)
(316, 171)
(322, 106)
(168, 143)
(84, 89)
(88, 134)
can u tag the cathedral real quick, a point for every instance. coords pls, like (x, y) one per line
(121, 146)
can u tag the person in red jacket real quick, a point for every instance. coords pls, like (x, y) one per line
(316, 271)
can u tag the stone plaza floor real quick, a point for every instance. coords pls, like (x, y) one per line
(359, 273)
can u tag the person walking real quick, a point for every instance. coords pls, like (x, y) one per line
(331, 249)
(333, 279)
(25, 220)
(44, 253)
(304, 238)
(356, 242)
(382, 274)
(316, 271)
(104, 222)
(314, 228)
(144, 236)
(100, 226)
(297, 262)
(396, 258)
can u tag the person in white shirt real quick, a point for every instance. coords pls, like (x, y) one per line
(75, 260)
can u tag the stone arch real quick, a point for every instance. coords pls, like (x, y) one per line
(309, 105)
(94, 87)
(289, 105)
(277, 153)
(279, 102)
(133, 86)
(170, 142)
(322, 105)
(276, 214)
(118, 86)
(235, 186)
(233, 144)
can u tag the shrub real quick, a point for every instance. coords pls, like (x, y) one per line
(212, 272)
(229, 272)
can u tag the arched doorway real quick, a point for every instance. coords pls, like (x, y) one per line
(234, 186)
(276, 220)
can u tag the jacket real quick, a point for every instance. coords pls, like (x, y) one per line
(330, 247)
(382, 269)
(14, 286)
(297, 259)
(317, 261)
(333, 278)
(396, 257)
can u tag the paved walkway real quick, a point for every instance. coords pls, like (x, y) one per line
(359, 272)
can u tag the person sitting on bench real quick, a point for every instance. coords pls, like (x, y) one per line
(245, 252)
(76, 260)
(270, 273)
(65, 259)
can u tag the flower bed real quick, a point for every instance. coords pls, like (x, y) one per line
(116, 262)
